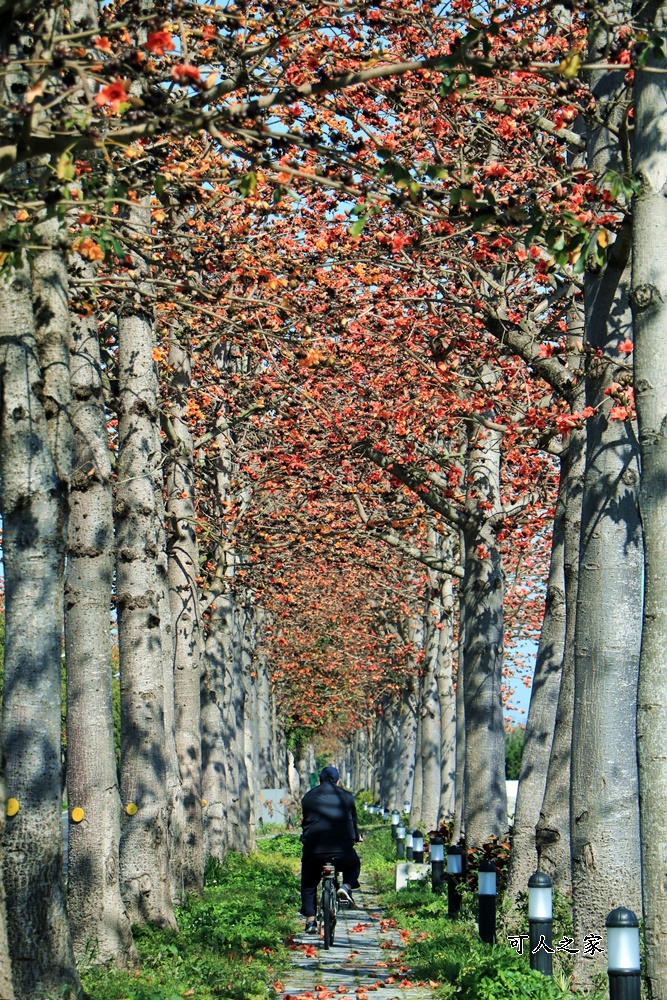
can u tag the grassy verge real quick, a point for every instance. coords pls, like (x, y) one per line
(232, 944)
(449, 952)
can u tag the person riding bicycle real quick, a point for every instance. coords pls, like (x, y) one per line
(329, 831)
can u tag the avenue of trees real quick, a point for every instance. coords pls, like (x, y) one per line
(333, 371)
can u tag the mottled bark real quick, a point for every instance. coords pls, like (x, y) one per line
(407, 730)
(459, 787)
(144, 847)
(270, 773)
(552, 835)
(485, 799)
(214, 728)
(99, 923)
(604, 819)
(442, 547)
(183, 555)
(6, 987)
(429, 709)
(542, 712)
(649, 298)
(34, 511)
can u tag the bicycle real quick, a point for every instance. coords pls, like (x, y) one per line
(327, 915)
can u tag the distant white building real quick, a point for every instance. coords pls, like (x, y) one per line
(512, 788)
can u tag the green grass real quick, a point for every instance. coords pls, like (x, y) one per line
(449, 952)
(232, 944)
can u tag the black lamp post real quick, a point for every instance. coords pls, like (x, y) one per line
(540, 923)
(417, 847)
(487, 901)
(400, 842)
(409, 850)
(437, 854)
(395, 820)
(454, 873)
(623, 964)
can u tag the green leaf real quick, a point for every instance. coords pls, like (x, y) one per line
(160, 182)
(248, 184)
(437, 172)
(356, 227)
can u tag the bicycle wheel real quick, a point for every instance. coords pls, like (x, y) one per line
(328, 914)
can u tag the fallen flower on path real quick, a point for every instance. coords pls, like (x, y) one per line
(358, 928)
(309, 950)
(381, 965)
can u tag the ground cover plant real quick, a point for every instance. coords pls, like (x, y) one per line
(232, 944)
(449, 952)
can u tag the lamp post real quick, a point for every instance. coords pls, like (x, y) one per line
(486, 892)
(409, 850)
(540, 923)
(454, 872)
(400, 842)
(623, 954)
(417, 847)
(437, 854)
(406, 807)
(395, 820)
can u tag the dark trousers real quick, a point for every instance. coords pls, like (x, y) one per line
(346, 861)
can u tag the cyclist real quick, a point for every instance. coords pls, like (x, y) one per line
(329, 831)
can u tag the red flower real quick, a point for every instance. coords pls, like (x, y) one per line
(626, 347)
(209, 31)
(113, 94)
(186, 73)
(160, 42)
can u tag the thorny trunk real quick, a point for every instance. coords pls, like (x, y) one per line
(485, 799)
(34, 473)
(649, 298)
(97, 914)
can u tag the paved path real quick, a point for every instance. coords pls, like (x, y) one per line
(357, 964)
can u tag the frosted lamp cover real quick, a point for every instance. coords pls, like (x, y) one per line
(365, 807)
(406, 807)
(623, 948)
(400, 832)
(540, 903)
(487, 884)
(454, 864)
(437, 852)
(418, 843)
(408, 840)
(395, 817)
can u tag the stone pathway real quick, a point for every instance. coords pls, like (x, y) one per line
(364, 959)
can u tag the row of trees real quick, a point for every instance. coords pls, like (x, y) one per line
(318, 458)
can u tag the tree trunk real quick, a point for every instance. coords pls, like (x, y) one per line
(649, 296)
(34, 484)
(430, 709)
(552, 836)
(459, 789)
(604, 819)
(144, 848)
(270, 775)
(542, 712)
(408, 743)
(183, 553)
(6, 988)
(485, 798)
(441, 547)
(97, 914)
(215, 737)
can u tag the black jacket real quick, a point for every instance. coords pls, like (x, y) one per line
(329, 819)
